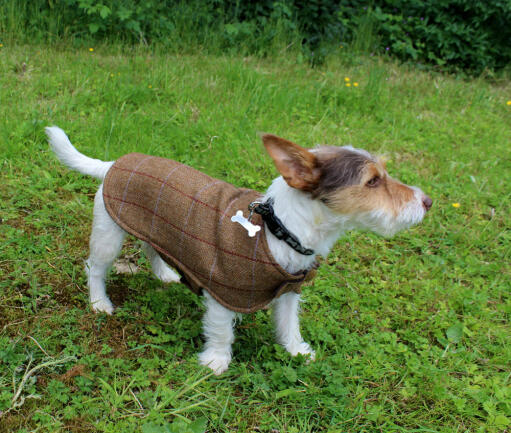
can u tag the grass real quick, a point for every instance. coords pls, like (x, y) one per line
(411, 334)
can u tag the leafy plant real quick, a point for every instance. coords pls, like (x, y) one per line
(448, 34)
(451, 34)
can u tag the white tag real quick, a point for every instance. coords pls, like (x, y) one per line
(251, 228)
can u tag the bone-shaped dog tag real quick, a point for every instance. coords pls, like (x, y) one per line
(252, 229)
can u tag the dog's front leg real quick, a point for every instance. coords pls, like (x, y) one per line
(287, 325)
(219, 334)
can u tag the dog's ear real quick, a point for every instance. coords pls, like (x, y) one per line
(297, 165)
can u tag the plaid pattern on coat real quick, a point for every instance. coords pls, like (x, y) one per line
(185, 215)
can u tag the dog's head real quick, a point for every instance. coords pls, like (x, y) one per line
(350, 182)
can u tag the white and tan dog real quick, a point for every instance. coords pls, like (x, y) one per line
(321, 194)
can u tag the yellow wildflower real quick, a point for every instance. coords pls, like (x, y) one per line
(456, 205)
(348, 84)
(150, 86)
(1, 45)
(507, 103)
(355, 84)
(346, 79)
(91, 49)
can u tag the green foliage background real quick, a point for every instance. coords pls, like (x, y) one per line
(450, 34)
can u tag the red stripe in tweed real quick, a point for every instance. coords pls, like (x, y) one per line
(159, 196)
(189, 234)
(212, 269)
(170, 186)
(132, 173)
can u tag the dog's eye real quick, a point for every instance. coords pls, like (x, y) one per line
(374, 182)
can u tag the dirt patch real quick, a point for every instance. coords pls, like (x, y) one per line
(76, 370)
(101, 330)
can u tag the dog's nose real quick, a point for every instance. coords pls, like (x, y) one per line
(427, 202)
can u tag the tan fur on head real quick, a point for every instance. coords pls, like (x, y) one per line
(376, 190)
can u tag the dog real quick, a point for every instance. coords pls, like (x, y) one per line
(320, 194)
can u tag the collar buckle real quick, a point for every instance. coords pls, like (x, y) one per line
(251, 208)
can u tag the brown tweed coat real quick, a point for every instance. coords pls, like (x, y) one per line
(186, 216)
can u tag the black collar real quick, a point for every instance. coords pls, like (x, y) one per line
(276, 226)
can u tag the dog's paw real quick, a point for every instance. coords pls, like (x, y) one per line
(167, 275)
(103, 305)
(302, 348)
(216, 360)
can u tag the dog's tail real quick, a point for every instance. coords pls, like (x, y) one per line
(69, 156)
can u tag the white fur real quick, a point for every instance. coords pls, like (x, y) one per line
(70, 157)
(287, 325)
(218, 324)
(388, 225)
(315, 225)
(161, 270)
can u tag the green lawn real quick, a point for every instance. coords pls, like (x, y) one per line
(412, 334)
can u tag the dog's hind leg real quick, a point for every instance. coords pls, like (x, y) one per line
(161, 270)
(218, 329)
(287, 325)
(105, 243)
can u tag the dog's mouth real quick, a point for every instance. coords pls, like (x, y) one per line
(386, 224)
